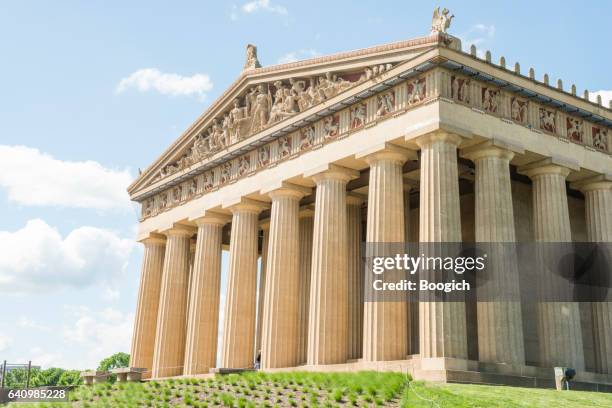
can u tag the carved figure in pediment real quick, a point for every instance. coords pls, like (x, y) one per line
(298, 89)
(331, 126)
(358, 115)
(574, 129)
(261, 108)
(263, 155)
(385, 103)
(208, 181)
(285, 103)
(250, 100)
(284, 146)
(237, 121)
(366, 76)
(314, 94)
(340, 84)
(200, 148)
(225, 129)
(600, 138)
(218, 136)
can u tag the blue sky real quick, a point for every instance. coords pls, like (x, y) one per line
(91, 91)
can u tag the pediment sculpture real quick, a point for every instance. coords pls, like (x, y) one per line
(263, 105)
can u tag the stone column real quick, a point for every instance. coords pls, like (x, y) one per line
(328, 317)
(261, 290)
(169, 355)
(145, 321)
(598, 202)
(442, 325)
(500, 328)
(203, 315)
(412, 300)
(559, 331)
(355, 277)
(239, 320)
(306, 228)
(279, 339)
(385, 326)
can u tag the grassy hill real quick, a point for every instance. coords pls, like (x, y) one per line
(301, 389)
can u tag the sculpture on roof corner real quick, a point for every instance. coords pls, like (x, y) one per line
(251, 58)
(441, 21)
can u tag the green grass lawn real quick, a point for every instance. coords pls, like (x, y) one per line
(301, 389)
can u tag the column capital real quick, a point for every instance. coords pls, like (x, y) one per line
(549, 166)
(600, 182)
(491, 148)
(212, 218)
(331, 171)
(355, 199)
(438, 136)
(153, 239)
(306, 211)
(386, 151)
(179, 230)
(243, 204)
(286, 189)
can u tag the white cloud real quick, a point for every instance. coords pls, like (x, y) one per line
(480, 35)
(606, 96)
(5, 342)
(37, 258)
(27, 323)
(265, 5)
(152, 79)
(298, 55)
(102, 333)
(35, 178)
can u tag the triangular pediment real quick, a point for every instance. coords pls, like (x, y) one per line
(263, 97)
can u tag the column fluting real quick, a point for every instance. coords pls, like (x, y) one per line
(306, 228)
(279, 340)
(239, 314)
(261, 289)
(355, 277)
(328, 317)
(203, 314)
(598, 203)
(385, 327)
(145, 320)
(559, 327)
(500, 328)
(442, 325)
(169, 355)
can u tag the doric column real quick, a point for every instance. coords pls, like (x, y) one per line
(306, 227)
(145, 321)
(500, 329)
(261, 289)
(355, 277)
(598, 202)
(169, 355)
(279, 341)
(203, 314)
(385, 326)
(559, 331)
(442, 325)
(239, 320)
(328, 318)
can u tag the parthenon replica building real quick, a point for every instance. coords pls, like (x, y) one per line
(296, 165)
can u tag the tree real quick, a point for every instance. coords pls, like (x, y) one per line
(117, 360)
(70, 377)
